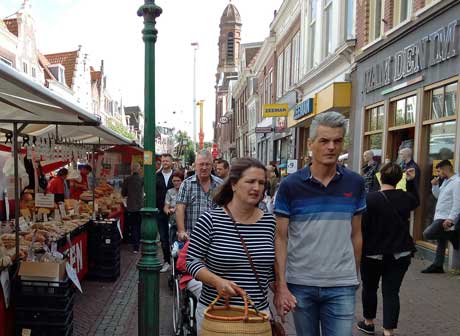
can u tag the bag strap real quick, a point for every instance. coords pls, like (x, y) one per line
(248, 255)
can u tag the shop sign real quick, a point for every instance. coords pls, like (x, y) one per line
(429, 51)
(264, 129)
(223, 120)
(275, 110)
(304, 108)
(77, 252)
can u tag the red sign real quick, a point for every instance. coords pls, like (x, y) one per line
(78, 254)
(214, 151)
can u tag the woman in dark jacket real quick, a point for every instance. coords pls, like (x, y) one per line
(387, 246)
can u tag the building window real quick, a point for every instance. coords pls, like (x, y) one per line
(327, 27)
(349, 19)
(443, 101)
(6, 61)
(373, 129)
(311, 33)
(230, 48)
(270, 87)
(287, 68)
(295, 58)
(375, 20)
(402, 11)
(279, 76)
(404, 111)
(34, 72)
(25, 67)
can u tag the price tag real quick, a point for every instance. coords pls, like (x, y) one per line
(44, 200)
(119, 229)
(45, 217)
(26, 332)
(73, 276)
(23, 226)
(62, 209)
(6, 285)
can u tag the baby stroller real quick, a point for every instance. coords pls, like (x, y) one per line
(184, 302)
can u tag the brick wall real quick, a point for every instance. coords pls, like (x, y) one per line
(418, 4)
(388, 15)
(362, 23)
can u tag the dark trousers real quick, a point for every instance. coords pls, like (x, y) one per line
(392, 272)
(133, 221)
(436, 232)
(163, 228)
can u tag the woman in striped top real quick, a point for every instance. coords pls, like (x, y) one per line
(216, 256)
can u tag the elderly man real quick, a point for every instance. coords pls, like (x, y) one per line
(405, 154)
(318, 236)
(195, 195)
(369, 171)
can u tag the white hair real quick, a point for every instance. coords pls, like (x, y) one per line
(330, 119)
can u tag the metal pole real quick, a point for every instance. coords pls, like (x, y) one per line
(16, 185)
(149, 264)
(195, 48)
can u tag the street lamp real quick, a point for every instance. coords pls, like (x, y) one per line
(195, 48)
(149, 265)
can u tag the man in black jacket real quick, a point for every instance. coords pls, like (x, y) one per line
(164, 182)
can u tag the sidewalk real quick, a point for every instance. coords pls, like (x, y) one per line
(430, 304)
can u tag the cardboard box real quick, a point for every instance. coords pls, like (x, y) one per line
(42, 271)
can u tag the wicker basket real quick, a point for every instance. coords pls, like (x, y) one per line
(230, 320)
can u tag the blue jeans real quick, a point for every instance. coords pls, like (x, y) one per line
(331, 309)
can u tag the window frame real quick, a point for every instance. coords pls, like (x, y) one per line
(287, 68)
(327, 27)
(392, 125)
(373, 20)
(279, 75)
(398, 10)
(312, 19)
(6, 61)
(427, 115)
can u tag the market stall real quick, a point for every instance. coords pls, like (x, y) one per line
(39, 234)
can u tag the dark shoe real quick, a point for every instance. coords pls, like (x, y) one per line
(366, 328)
(433, 269)
(455, 240)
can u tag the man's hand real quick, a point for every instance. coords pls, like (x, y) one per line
(182, 236)
(410, 174)
(447, 224)
(435, 181)
(284, 301)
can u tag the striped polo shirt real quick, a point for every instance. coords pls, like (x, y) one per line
(320, 250)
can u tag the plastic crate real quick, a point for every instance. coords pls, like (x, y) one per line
(44, 317)
(44, 288)
(45, 330)
(54, 302)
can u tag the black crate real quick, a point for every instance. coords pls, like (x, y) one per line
(58, 289)
(103, 276)
(38, 330)
(44, 317)
(55, 302)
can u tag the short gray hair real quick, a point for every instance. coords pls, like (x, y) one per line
(204, 154)
(369, 152)
(406, 150)
(330, 119)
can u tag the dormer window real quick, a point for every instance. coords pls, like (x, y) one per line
(6, 61)
(58, 72)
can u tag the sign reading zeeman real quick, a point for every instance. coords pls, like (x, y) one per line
(432, 49)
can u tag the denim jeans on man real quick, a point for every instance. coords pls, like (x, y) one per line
(436, 231)
(329, 309)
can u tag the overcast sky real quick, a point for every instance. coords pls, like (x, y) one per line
(111, 30)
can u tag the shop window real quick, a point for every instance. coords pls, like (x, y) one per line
(404, 111)
(443, 102)
(375, 119)
(374, 127)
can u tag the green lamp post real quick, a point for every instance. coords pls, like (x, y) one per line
(149, 265)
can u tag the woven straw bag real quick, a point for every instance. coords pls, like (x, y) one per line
(230, 320)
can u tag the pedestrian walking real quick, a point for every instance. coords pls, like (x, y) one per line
(318, 238)
(222, 168)
(164, 183)
(133, 189)
(217, 255)
(387, 246)
(196, 195)
(170, 199)
(445, 223)
(369, 172)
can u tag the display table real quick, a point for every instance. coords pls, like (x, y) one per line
(77, 250)
(7, 316)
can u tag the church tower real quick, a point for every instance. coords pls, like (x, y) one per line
(229, 40)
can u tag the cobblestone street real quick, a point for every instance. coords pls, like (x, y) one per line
(429, 304)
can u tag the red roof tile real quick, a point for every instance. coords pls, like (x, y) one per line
(68, 60)
(12, 25)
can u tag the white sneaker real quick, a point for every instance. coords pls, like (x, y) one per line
(165, 268)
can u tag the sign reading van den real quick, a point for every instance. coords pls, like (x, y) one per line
(263, 129)
(429, 51)
(275, 110)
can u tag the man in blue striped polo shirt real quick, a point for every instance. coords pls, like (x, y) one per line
(318, 240)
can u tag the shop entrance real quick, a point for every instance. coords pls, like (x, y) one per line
(399, 139)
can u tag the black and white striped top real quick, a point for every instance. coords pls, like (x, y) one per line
(215, 244)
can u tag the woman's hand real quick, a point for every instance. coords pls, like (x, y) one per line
(227, 288)
(410, 174)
